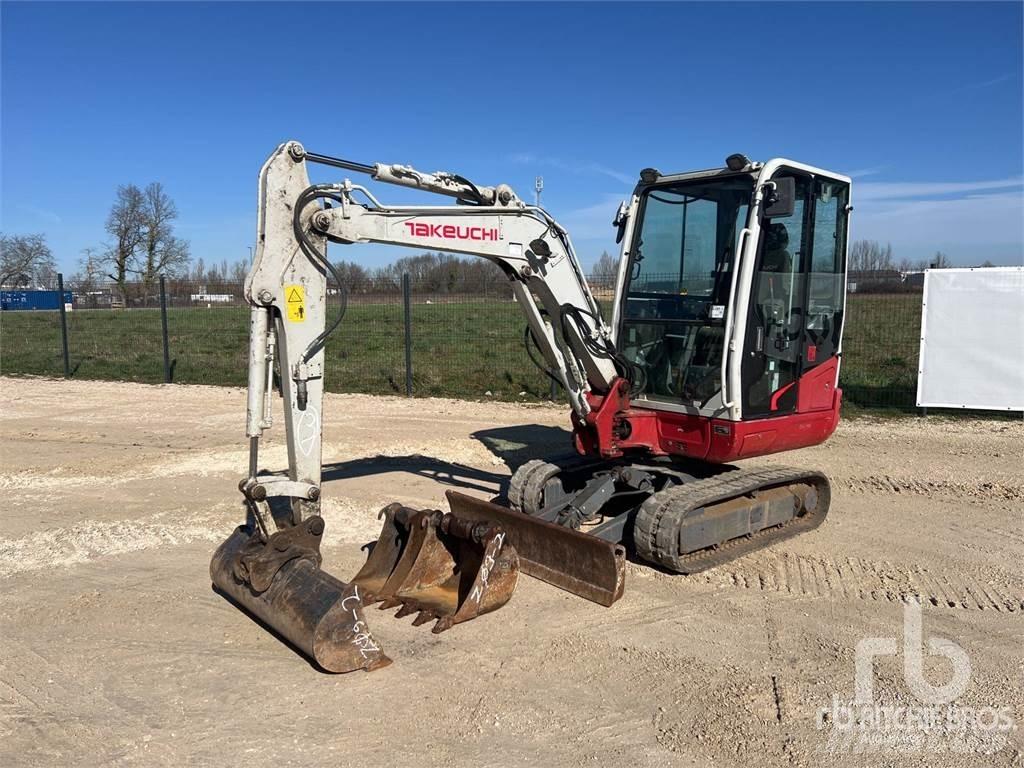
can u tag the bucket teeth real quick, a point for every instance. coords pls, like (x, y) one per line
(446, 568)
(423, 618)
(445, 622)
(406, 610)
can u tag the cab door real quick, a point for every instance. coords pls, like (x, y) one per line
(794, 326)
(774, 338)
(826, 295)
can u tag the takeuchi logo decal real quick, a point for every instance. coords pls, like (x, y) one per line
(451, 231)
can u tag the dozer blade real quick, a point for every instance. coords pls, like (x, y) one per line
(584, 565)
(440, 566)
(280, 583)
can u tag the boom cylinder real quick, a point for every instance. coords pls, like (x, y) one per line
(259, 322)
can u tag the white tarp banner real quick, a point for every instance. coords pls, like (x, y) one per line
(972, 339)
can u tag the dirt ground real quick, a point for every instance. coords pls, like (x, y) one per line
(114, 648)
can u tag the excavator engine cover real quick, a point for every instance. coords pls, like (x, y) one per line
(441, 566)
(280, 582)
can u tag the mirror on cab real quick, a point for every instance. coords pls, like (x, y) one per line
(779, 197)
(619, 222)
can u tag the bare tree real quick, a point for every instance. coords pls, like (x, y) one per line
(941, 261)
(125, 226)
(239, 270)
(141, 224)
(605, 269)
(161, 252)
(25, 260)
(870, 256)
(354, 277)
(90, 271)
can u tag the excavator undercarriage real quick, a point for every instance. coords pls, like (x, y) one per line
(724, 344)
(683, 521)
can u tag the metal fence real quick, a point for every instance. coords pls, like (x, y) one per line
(459, 339)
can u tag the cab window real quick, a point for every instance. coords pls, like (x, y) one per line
(678, 291)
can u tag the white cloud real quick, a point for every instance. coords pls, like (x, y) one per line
(582, 168)
(866, 172)
(523, 158)
(894, 190)
(969, 220)
(970, 229)
(982, 84)
(50, 217)
(623, 178)
(592, 222)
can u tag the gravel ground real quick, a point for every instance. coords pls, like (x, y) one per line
(114, 649)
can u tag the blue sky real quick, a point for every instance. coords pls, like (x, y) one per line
(920, 102)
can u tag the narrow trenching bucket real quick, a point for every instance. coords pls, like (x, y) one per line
(444, 568)
(280, 582)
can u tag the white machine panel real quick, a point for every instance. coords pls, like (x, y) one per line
(972, 339)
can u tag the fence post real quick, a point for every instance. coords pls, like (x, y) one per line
(163, 330)
(554, 391)
(407, 303)
(63, 325)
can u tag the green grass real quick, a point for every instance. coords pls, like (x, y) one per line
(881, 340)
(461, 349)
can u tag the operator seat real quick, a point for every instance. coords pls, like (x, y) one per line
(776, 257)
(775, 314)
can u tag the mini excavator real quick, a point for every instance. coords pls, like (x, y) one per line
(723, 343)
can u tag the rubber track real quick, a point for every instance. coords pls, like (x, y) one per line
(520, 478)
(656, 530)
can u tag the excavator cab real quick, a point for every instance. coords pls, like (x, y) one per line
(705, 264)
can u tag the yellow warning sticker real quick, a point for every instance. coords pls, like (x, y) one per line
(295, 296)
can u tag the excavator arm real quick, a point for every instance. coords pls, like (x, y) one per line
(287, 290)
(271, 566)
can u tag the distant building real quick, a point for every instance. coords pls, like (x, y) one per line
(29, 300)
(913, 278)
(875, 281)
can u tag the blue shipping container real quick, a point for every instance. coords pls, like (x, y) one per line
(32, 299)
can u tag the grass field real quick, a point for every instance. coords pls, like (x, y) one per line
(463, 349)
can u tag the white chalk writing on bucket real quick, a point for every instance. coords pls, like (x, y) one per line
(362, 639)
(485, 569)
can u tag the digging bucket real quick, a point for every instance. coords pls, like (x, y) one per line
(280, 583)
(442, 567)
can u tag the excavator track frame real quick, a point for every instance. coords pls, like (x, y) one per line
(656, 530)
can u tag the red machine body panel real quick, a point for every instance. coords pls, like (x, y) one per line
(614, 428)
